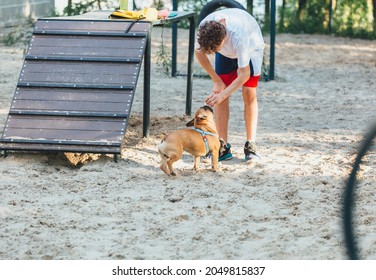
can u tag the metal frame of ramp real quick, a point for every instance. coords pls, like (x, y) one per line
(76, 86)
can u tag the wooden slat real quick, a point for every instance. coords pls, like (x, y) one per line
(79, 73)
(58, 147)
(71, 41)
(87, 52)
(72, 123)
(47, 129)
(84, 102)
(75, 95)
(91, 25)
(77, 67)
(67, 106)
(86, 46)
(62, 135)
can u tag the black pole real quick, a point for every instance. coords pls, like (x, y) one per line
(192, 26)
(330, 16)
(174, 40)
(272, 39)
(147, 67)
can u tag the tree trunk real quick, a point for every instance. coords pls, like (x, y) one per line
(250, 6)
(328, 15)
(374, 15)
(282, 19)
(69, 9)
(300, 13)
(267, 8)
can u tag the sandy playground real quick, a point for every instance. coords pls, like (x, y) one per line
(312, 119)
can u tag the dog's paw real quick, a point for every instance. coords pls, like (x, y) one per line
(214, 169)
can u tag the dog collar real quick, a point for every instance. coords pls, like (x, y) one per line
(204, 133)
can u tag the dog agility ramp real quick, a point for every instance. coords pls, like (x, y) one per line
(76, 86)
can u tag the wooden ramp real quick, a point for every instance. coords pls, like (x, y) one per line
(76, 86)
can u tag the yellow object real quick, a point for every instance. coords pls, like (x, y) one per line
(123, 4)
(146, 14)
(151, 14)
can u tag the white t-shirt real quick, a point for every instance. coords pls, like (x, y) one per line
(243, 40)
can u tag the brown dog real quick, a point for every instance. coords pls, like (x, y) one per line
(199, 141)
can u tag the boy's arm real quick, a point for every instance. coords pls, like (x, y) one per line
(205, 63)
(243, 76)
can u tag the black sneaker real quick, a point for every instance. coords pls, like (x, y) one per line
(250, 152)
(225, 151)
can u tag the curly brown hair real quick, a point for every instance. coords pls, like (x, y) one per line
(210, 35)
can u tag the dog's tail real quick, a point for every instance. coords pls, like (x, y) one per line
(161, 150)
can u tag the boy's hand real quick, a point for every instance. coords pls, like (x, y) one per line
(214, 99)
(219, 87)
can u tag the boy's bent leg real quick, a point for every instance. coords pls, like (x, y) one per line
(251, 120)
(250, 112)
(222, 115)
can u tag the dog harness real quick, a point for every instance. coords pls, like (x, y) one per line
(204, 133)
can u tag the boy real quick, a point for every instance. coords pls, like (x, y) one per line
(235, 38)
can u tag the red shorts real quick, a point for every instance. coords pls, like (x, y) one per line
(230, 77)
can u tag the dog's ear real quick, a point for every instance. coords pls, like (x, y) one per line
(206, 107)
(190, 123)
